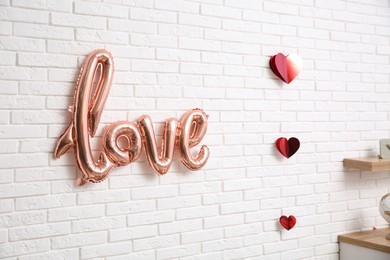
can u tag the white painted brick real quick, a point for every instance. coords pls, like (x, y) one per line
(23, 189)
(179, 251)
(191, 213)
(131, 26)
(185, 54)
(176, 5)
(200, 236)
(69, 241)
(260, 16)
(5, 29)
(223, 221)
(344, 36)
(150, 218)
(20, 102)
(154, 192)
(180, 226)
(248, 4)
(153, 15)
(38, 231)
(46, 60)
(143, 255)
(8, 87)
(25, 44)
(215, 255)
(298, 254)
(129, 180)
(94, 252)
(13, 73)
(24, 15)
(199, 20)
(6, 176)
(132, 233)
(36, 146)
(20, 219)
(180, 31)
(155, 66)
(80, 48)
(103, 197)
(51, 5)
(243, 252)
(153, 40)
(63, 254)
(221, 58)
(243, 230)
(3, 236)
(222, 244)
(101, 9)
(318, 198)
(43, 31)
(199, 44)
(178, 202)
(130, 207)
(296, 20)
(43, 202)
(37, 117)
(7, 58)
(96, 224)
(156, 242)
(75, 213)
(86, 35)
(24, 247)
(282, 30)
(220, 198)
(334, 4)
(220, 11)
(199, 188)
(39, 174)
(72, 20)
(177, 55)
(281, 246)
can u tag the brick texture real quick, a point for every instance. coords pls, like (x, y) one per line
(171, 56)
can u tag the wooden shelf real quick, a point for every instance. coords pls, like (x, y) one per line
(368, 164)
(373, 239)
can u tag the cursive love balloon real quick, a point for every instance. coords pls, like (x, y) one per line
(92, 89)
(287, 67)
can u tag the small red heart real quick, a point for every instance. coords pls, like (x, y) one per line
(287, 67)
(288, 222)
(287, 147)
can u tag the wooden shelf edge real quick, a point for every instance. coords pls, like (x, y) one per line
(373, 239)
(367, 163)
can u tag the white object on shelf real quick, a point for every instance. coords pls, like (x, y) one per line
(352, 252)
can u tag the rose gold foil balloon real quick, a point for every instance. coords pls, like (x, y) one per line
(129, 131)
(92, 89)
(193, 128)
(160, 162)
(86, 111)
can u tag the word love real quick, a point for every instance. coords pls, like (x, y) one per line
(92, 89)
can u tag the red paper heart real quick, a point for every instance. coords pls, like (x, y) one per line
(287, 67)
(287, 147)
(287, 222)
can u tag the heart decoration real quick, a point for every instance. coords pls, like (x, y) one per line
(287, 67)
(287, 222)
(287, 147)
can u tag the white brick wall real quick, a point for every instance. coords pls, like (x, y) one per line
(171, 56)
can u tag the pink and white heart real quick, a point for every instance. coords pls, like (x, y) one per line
(287, 67)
